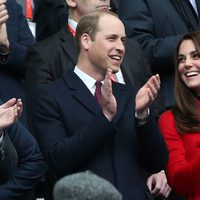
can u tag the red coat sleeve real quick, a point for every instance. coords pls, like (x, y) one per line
(183, 174)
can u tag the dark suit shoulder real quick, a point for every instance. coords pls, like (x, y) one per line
(51, 88)
(49, 42)
(61, 43)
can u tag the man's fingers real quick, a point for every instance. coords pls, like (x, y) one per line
(3, 20)
(3, 1)
(157, 187)
(155, 81)
(154, 85)
(107, 87)
(9, 103)
(3, 12)
(2, 7)
(108, 76)
(149, 183)
(167, 191)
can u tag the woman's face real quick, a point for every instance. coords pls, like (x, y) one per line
(189, 65)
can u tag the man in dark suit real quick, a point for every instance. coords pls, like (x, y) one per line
(76, 133)
(52, 58)
(50, 17)
(21, 163)
(158, 26)
(15, 38)
(58, 18)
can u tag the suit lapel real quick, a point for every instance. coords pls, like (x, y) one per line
(121, 98)
(187, 13)
(198, 6)
(126, 71)
(81, 93)
(68, 44)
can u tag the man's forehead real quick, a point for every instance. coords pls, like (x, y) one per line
(111, 24)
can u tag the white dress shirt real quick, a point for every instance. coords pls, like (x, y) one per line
(87, 80)
(193, 2)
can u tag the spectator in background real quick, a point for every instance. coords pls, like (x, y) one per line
(158, 26)
(23, 5)
(106, 141)
(52, 58)
(50, 17)
(114, 4)
(15, 39)
(181, 125)
(49, 24)
(21, 164)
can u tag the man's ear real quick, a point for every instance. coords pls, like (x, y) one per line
(85, 41)
(71, 3)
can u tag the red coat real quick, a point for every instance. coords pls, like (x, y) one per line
(183, 168)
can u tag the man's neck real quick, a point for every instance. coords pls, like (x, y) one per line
(88, 69)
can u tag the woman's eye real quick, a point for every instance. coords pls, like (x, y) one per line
(196, 55)
(181, 59)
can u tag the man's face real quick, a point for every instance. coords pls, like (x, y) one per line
(87, 6)
(107, 49)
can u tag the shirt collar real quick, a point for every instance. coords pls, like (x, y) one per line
(72, 24)
(88, 80)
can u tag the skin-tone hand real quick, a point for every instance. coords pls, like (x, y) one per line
(157, 184)
(109, 104)
(147, 94)
(3, 12)
(10, 112)
(4, 42)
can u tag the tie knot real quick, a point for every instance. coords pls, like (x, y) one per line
(98, 84)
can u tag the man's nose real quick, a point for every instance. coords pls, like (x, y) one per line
(120, 46)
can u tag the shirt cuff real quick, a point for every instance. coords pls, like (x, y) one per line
(4, 57)
(142, 119)
(1, 137)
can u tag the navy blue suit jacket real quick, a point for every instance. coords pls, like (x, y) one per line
(74, 135)
(29, 168)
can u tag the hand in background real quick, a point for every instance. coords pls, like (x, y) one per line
(10, 112)
(4, 42)
(158, 186)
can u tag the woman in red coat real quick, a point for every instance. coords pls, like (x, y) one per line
(181, 125)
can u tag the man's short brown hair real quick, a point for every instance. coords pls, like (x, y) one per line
(89, 24)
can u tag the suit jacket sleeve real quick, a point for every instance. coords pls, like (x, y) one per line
(20, 37)
(37, 69)
(8, 158)
(30, 169)
(152, 148)
(140, 25)
(183, 175)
